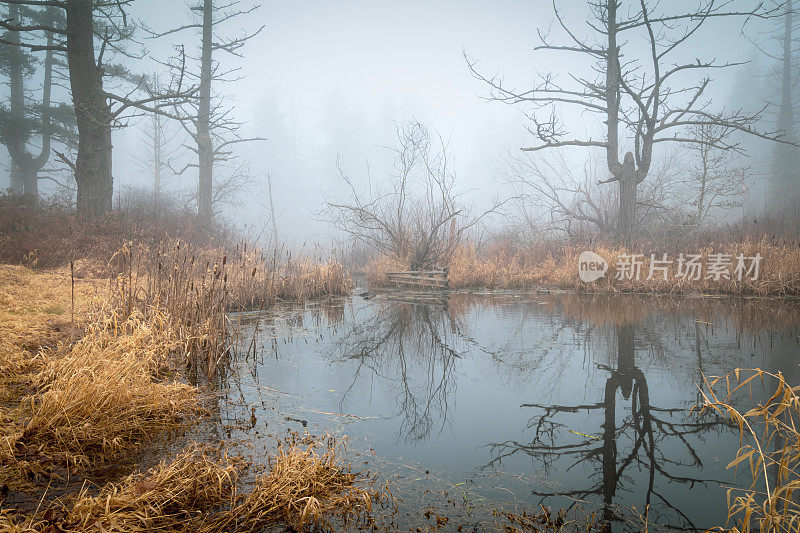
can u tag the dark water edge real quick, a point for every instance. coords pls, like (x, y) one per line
(471, 404)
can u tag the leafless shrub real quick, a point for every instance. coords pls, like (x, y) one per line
(414, 214)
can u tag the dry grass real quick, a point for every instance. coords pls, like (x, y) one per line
(194, 287)
(302, 488)
(199, 491)
(545, 519)
(78, 392)
(36, 313)
(256, 278)
(88, 381)
(505, 266)
(36, 309)
(106, 393)
(100, 399)
(378, 267)
(91, 391)
(770, 449)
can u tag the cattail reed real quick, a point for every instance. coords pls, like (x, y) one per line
(195, 287)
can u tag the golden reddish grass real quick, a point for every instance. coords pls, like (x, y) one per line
(769, 449)
(194, 287)
(502, 266)
(90, 390)
(105, 394)
(83, 391)
(199, 491)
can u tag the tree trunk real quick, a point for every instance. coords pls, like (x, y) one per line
(17, 184)
(627, 201)
(30, 180)
(205, 148)
(625, 172)
(25, 167)
(17, 129)
(785, 173)
(93, 164)
(32, 177)
(156, 162)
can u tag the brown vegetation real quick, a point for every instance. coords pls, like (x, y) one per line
(199, 491)
(770, 448)
(91, 359)
(502, 265)
(51, 235)
(79, 392)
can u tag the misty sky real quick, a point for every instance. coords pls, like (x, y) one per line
(326, 79)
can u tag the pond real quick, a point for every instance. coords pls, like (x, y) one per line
(473, 404)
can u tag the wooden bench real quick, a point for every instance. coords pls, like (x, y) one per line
(425, 279)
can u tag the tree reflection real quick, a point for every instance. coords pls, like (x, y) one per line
(413, 344)
(657, 437)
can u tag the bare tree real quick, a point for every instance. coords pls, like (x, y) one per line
(96, 31)
(414, 214)
(640, 101)
(23, 119)
(715, 183)
(157, 135)
(556, 195)
(779, 43)
(209, 120)
(157, 149)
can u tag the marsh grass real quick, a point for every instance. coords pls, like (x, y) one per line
(507, 266)
(108, 392)
(769, 448)
(194, 287)
(205, 489)
(96, 400)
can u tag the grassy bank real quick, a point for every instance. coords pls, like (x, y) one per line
(82, 386)
(200, 490)
(91, 373)
(556, 266)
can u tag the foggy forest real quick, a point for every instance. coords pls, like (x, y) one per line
(425, 266)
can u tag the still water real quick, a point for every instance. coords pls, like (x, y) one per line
(470, 405)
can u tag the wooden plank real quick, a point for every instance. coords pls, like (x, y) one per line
(431, 279)
(442, 272)
(412, 283)
(418, 278)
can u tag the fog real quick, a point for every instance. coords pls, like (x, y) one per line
(324, 82)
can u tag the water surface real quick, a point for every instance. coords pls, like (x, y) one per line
(467, 403)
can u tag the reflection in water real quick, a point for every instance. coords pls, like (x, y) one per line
(415, 345)
(559, 398)
(646, 428)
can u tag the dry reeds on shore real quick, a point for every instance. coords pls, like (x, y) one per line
(200, 490)
(88, 378)
(506, 266)
(194, 287)
(769, 447)
(94, 401)
(95, 393)
(108, 391)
